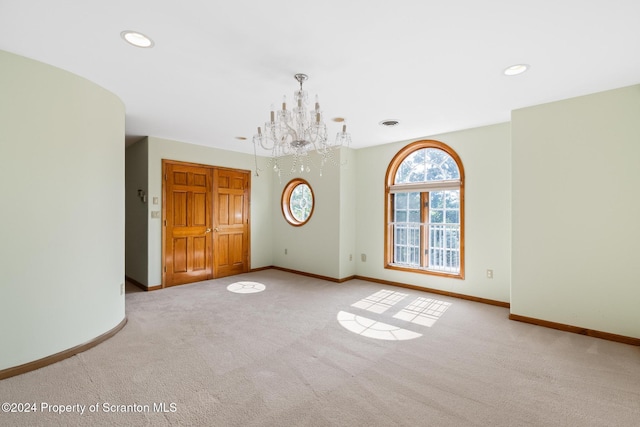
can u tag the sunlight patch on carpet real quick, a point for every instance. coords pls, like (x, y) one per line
(423, 311)
(246, 287)
(380, 302)
(373, 329)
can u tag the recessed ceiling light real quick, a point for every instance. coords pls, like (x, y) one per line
(516, 69)
(137, 39)
(389, 123)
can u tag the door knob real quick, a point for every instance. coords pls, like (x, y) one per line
(208, 230)
(216, 229)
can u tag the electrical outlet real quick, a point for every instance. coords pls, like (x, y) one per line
(121, 288)
(350, 257)
(285, 251)
(363, 257)
(489, 274)
(155, 214)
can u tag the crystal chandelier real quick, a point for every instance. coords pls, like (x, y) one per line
(298, 131)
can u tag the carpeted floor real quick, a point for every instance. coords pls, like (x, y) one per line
(299, 353)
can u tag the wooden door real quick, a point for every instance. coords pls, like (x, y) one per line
(188, 223)
(231, 222)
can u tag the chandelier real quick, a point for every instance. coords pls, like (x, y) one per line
(297, 132)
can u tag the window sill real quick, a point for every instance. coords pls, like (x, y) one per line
(401, 267)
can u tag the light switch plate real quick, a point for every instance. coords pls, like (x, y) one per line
(155, 214)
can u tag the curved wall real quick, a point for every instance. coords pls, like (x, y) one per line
(61, 210)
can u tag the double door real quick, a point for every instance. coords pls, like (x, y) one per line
(205, 222)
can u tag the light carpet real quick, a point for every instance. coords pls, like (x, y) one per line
(205, 356)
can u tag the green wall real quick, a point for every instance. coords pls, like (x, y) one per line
(314, 247)
(485, 153)
(575, 211)
(62, 228)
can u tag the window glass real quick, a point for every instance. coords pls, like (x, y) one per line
(301, 202)
(427, 164)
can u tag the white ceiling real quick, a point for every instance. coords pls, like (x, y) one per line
(436, 66)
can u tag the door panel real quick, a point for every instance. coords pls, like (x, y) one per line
(179, 208)
(188, 222)
(199, 251)
(223, 209)
(200, 209)
(179, 255)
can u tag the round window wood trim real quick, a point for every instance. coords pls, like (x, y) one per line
(287, 208)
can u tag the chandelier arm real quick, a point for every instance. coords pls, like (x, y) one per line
(291, 131)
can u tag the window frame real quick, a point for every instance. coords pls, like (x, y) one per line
(392, 169)
(285, 202)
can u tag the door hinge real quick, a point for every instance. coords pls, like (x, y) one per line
(165, 268)
(165, 176)
(165, 222)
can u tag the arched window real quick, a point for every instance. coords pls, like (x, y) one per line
(424, 215)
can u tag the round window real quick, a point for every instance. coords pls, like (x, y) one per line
(297, 202)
